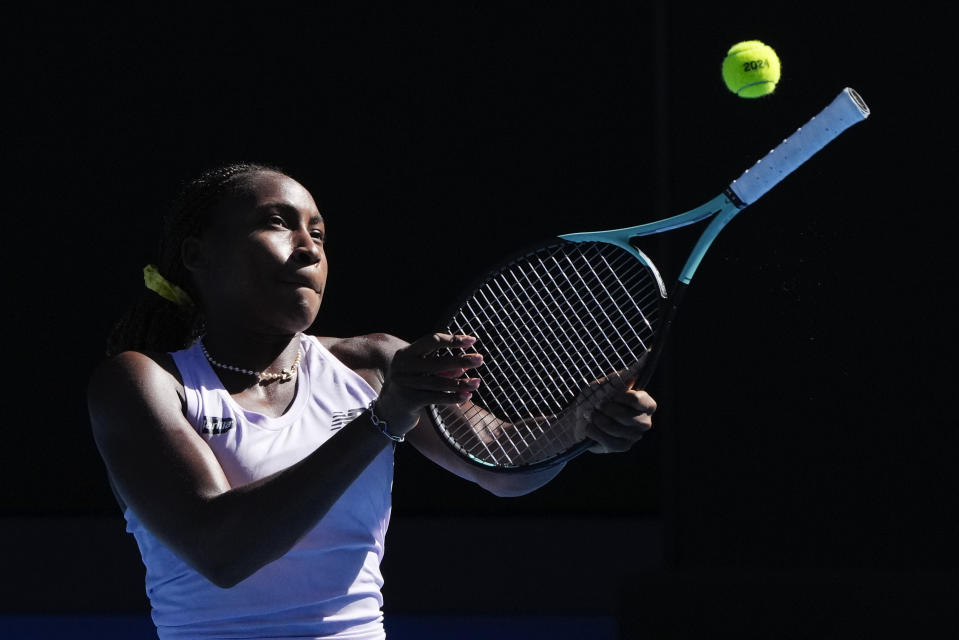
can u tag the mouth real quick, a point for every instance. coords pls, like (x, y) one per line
(301, 282)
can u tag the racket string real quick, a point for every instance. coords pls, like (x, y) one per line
(600, 328)
(502, 403)
(540, 325)
(516, 438)
(524, 331)
(514, 308)
(625, 285)
(508, 318)
(622, 289)
(571, 345)
(589, 303)
(587, 314)
(527, 321)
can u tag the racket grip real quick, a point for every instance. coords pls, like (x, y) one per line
(844, 111)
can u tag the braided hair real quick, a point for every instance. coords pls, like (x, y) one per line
(153, 323)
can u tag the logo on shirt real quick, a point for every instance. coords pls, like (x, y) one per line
(343, 418)
(215, 425)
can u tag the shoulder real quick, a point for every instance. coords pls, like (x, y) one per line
(133, 374)
(137, 365)
(370, 351)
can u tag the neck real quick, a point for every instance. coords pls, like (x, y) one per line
(256, 352)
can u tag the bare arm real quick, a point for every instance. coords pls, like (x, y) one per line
(371, 355)
(505, 485)
(614, 423)
(163, 470)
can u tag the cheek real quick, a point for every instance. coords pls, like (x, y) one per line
(324, 268)
(274, 249)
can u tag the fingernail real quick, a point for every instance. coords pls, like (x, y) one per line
(463, 341)
(470, 383)
(474, 358)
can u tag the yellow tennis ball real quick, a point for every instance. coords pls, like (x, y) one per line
(751, 69)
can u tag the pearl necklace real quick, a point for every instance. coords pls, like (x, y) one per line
(283, 376)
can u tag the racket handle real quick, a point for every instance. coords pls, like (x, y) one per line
(846, 110)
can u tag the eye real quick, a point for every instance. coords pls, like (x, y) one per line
(318, 235)
(276, 220)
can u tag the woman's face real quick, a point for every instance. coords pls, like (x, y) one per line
(261, 262)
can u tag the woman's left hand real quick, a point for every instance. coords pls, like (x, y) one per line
(615, 421)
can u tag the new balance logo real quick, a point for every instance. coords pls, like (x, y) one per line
(216, 425)
(343, 418)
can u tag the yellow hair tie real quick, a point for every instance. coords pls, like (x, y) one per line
(164, 288)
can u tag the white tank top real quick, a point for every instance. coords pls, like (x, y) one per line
(328, 584)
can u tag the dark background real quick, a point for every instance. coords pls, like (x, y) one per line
(807, 425)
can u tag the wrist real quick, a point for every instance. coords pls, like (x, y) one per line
(378, 421)
(396, 410)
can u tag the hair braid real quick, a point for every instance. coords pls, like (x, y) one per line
(153, 323)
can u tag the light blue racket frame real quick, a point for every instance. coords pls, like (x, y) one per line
(845, 110)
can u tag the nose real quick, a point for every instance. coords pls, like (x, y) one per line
(306, 252)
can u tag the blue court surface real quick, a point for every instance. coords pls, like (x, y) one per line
(132, 627)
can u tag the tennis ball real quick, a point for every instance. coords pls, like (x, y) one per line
(751, 69)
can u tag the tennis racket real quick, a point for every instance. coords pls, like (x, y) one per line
(565, 324)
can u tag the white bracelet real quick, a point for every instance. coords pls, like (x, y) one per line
(381, 425)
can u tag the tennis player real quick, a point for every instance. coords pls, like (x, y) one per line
(253, 462)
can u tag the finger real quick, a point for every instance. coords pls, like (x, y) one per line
(625, 412)
(412, 400)
(441, 364)
(437, 354)
(608, 387)
(629, 428)
(635, 400)
(434, 383)
(457, 397)
(600, 391)
(627, 377)
(608, 444)
(436, 341)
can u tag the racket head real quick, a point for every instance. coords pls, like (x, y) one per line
(560, 326)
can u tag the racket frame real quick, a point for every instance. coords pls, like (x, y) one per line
(845, 110)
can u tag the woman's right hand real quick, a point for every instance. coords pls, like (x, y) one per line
(423, 373)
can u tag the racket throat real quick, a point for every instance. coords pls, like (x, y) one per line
(675, 299)
(652, 360)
